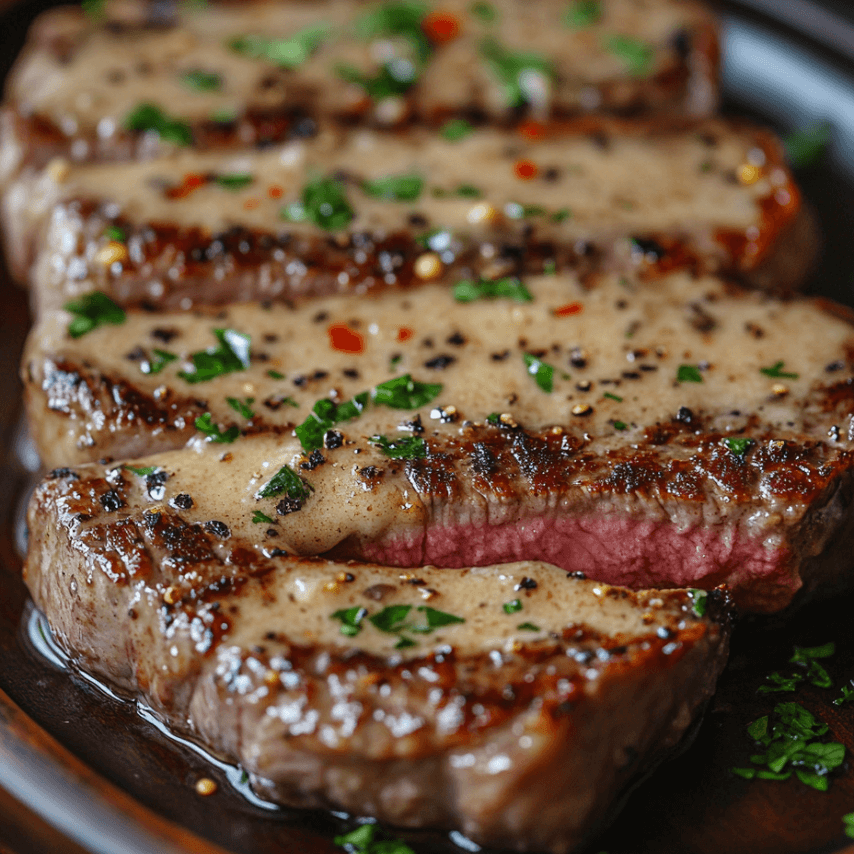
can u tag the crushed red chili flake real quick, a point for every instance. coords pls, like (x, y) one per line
(251, 204)
(532, 130)
(441, 27)
(276, 192)
(190, 183)
(525, 169)
(569, 309)
(344, 339)
(404, 333)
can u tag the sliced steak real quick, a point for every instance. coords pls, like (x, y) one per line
(136, 81)
(686, 435)
(511, 702)
(359, 210)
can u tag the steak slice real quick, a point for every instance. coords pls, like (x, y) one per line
(139, 81)
(405, 208)
(686, 435)
(513, 702)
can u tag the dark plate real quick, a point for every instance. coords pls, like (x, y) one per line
(88, 771)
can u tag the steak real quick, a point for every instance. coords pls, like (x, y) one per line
(513, 702)
(686, 434)
(402, 209)
(146, 77)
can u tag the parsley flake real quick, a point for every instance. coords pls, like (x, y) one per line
(290, 52)
(324, 202)
(688, 374)
(205, 424)
(456, 129)
(612, 396)
(848, 823)
(150, 118)
(776, 372)
(527, 627)
(143, 471)
(286, 482)
(114, 233)
(395, 188)
(807, 147)
(620, 425)
(520, 72)
(231, 355)
(738, 445)
(236, 181)
(484, 12)
(397, 18)
(847, 694)
(635, 54)
(93, 310)
(700, 601)
(351, 625)
(241, 407)
(405, 448)
(512, 607)
(258, 517)
(157, 361)
(509, 287)
(202, 81)
(542, 373)
(363, 840)
(583, 13)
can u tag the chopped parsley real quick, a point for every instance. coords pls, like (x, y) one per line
(157, 361)
(114, 233)
(397, 18)
(91, 311)
(739, 446)
(515, 210)
(395, 620)
(405, 448)
(688, 374)
(776, 372)
(846, 696)
(394, 78)
(241, 407)
(286, 482)
(527, 627)
(229, 356)
(612, 396)
(620, 425)
(94, 9)
(395, 188)
(542, 373)
(512, 607)
(583, 13)
(509, 287)
(484, 12)
(635, 54)
(779, 682)
(700, 601)
(151, 119)
(519, 72)
(456, 129)
(351, 624)
(324, 202)
(808, 657)
(143, 471)
(290, 52)
(463, 191)
(202, 81)
(275, 375)
(791, 738)
(258, 517)
(398, 393)
(205, 424)
(807, 147)
(363, 840)
(848, 823)
(235, 181)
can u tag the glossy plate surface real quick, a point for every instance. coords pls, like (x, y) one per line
(90, 774)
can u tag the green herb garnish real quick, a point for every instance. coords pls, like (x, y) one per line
(507, 288)
(512, 607)
(612, 396)
(689, 374)
(394, 78)
(527, 627)
(258, 517)
(620, 425)
(405, 393)
(699, 600)
(405, 448)
(229, 356)
(93, 310)
(202, 81)
(290, 52)
(738, 445)
(114, 233)
(515, 210)
(286, 482)
(583, 13)
(636, 55)
(776, 372)
(847, 694)
(157, 361)
(397, 18)
(150, 118)
(848, 824)
(517, 71)
(776, 683)
(275, 375)
(241, 407)
(542, 373)
(807, 147)
(363, 840)
(205, 424)
(391, 619)
(143, 471)
(456, 129)
(807, 657)
(351, 625)
(395, 188)
(484, 12)
(235, 182)
(324, 202)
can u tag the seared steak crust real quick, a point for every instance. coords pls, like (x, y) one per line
(712, 444)
(78, 81)
(440, 728)
(590, 196)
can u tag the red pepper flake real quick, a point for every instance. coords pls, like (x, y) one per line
(532, 130)
(525, 169)
(276, 192)
(569, 309)
(251, 204)
(190, 183)
(404, 333)
(441, 27)
(344, 339)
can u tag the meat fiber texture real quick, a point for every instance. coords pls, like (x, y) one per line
(593, 195)
(256, 73)
(513, 702)
(688, 436)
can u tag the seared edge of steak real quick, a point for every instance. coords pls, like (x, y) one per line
(77, 81)
(518, 736)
